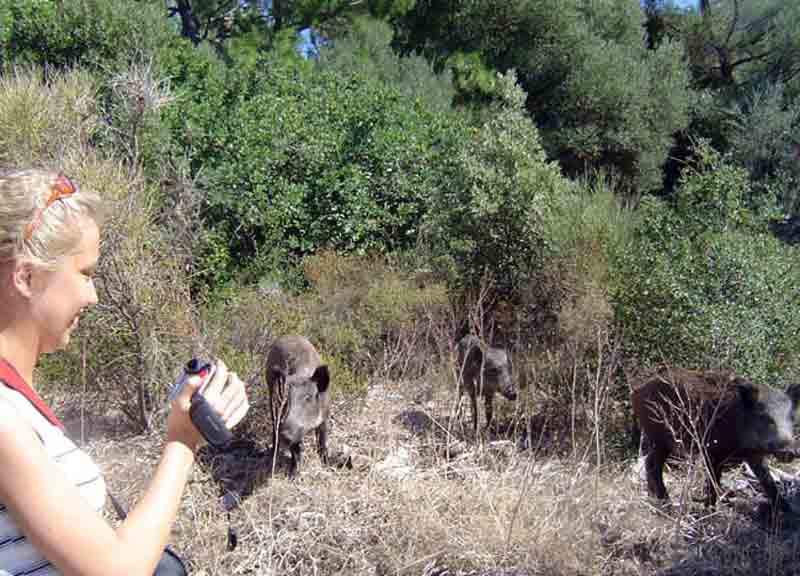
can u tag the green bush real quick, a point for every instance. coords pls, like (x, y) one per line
(485, 223)
(764, 133)
(366, 48)
(704, 284)
(584, 228)
(363, 314)
(243, 321)
(372, 314)
(303, 159)
(600, 98)
(40, 122)
(100, 34)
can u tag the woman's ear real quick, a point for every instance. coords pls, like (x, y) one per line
(22, 278)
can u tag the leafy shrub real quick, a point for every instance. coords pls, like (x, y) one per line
(704, 284)
(485, 222)
(584, 228)
(46, 121)
(599, 97)
(241, 324)
(92, 33)
(364, 314)
(564, 338)
(367, 49)
(304, 159)
(763, 138)
(372, 314)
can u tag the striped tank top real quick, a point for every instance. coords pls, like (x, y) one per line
(18, 557)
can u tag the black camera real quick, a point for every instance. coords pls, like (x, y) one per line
(203, 416)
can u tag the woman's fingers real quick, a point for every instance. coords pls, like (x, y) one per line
(227, 395)
(234, 404)
(238, 413)
(213, 389)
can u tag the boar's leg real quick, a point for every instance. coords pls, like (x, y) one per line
(322, 441)
(488, 404)
(473, 398)
(654, 465)
(297, 458)
(759, 468)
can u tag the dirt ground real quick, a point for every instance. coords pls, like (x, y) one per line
(409, 491)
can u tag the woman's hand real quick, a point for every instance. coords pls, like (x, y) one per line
(225, 393)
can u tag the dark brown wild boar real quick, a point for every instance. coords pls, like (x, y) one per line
(483, 370)
(729, 417)
(299, 387)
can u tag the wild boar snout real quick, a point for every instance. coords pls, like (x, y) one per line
(509, 391)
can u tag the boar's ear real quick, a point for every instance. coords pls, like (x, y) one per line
(321, 377)
(748, 394)
(276, 375)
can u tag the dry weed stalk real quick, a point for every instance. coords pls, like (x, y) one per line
(137, 93)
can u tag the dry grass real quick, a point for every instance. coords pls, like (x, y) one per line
(48, 123)
(447, 508)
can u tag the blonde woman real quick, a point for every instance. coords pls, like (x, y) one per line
(51, 492)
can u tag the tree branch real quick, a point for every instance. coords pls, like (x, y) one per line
(734, 21)
(750, 58)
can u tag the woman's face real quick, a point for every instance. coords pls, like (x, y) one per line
(61, 295)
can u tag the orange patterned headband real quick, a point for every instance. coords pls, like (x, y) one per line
(62, 188)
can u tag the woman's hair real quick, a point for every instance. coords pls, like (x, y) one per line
(33, 230)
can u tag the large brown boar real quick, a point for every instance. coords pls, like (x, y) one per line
(299, 386)
(725, 417)
(483, 370)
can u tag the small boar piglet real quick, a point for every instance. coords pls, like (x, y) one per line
(299, 386)
(484, 370)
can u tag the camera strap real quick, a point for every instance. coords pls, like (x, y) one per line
(118, 508)
(13, 379)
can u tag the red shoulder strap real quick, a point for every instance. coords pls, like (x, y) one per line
(12, 379)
